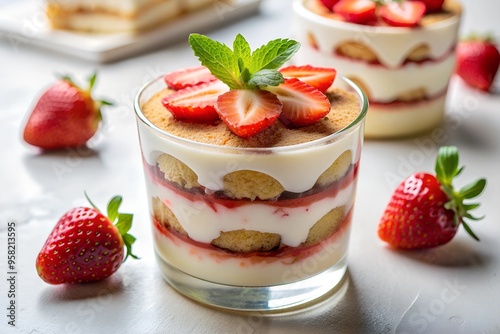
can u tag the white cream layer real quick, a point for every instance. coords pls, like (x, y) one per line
(383, 84)
(404, 119)
(391, 44)
(208, 265)
(296, 167)
(203, 223)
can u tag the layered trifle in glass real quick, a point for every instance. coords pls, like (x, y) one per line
(257, 222)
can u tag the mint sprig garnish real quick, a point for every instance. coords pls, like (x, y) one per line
(241, 68)
(447, 168)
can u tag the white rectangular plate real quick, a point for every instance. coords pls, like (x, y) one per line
(25, 24)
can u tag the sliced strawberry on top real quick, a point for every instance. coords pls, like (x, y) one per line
(329, 4)
(402, 14)
(433, 6)
(248, 112)
(302, 104)
(356, 11)
(188, 77)
(196, 103)
(320, 78)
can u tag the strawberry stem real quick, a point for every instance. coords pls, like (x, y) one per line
(447, 168)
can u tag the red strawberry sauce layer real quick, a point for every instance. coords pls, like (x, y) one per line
(295, 253)
(286, 199)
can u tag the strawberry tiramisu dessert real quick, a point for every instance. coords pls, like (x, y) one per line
(109, 16)
(401, 53)
(251, 169)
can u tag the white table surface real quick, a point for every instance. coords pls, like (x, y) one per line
(451, 289)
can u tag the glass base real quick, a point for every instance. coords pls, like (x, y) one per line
(261, 298)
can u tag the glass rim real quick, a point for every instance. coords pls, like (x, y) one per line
(320, 141)
(300, 8)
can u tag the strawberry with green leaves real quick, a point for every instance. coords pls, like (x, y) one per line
(426, 210)
(86, 246)
(64, 116)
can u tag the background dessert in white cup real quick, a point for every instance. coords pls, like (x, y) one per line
(251, 215)
(404, 71)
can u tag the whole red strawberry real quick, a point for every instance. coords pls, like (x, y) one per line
(425, 210)
(85, 246)
(477, 62)
(64, 116)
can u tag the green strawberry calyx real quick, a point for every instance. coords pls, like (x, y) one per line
(98, 103)
(122, 221)
(447, 168)
(242, 68)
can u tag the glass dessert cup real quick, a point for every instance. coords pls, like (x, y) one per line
(234, 252)
(404, 72)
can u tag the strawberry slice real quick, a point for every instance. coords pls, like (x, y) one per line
(433, 6)
(319, 77)
(188, 77)
(302, 104)
(329, 4)
(248, 112)
(196, 103)
(403, 14)
(356, 11)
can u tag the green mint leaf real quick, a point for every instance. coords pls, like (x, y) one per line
(113, 206)
(273, 55)
(266, 78)
(242, 50)
(245, 73)
(124, 223)
(218, 58)
(473, 189)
